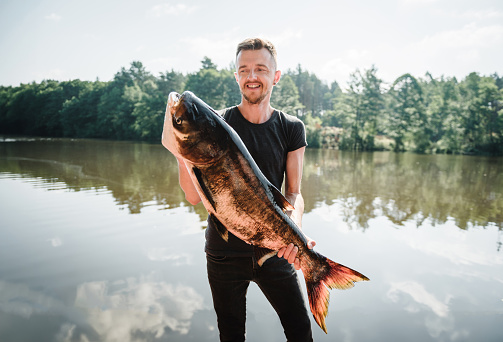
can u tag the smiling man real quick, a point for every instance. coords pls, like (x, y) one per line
(256, 74)
(277, 142)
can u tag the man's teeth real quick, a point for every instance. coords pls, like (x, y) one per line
(253, 86)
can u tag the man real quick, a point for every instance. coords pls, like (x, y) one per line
(277, 142)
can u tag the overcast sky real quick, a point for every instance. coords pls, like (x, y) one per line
(89, 39)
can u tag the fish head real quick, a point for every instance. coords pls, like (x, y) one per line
(193, 130)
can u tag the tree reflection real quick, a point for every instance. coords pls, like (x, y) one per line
(137, 174)
(405, 187)
(400, 186)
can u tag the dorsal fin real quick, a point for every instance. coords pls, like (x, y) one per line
(280, 200)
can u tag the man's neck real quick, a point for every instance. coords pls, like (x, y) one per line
(256, 113)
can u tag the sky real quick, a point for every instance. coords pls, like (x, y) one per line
(89, 40)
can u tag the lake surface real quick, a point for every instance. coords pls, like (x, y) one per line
(98, 244)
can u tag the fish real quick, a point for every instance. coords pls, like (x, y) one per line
(240, 199)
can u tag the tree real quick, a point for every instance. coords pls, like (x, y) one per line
(372, 107)
(427, 115)
(443, 111)
(148, 111)
(115, 110)
(311, 91)
(331, 116)
(406, 117)
(365, 104)
(285, 96)
(79, 114)
(313, 130)
(230, 89)
(207, 84)
(483, 113)
(498, 79)
(208, 64)
(170, 81)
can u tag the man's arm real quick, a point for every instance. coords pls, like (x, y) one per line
(293, 178)
(188, 187)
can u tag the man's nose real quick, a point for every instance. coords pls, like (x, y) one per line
(252, 75)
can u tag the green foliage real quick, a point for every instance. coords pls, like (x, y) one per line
(443, 111)
(360, 109)
(216, 88)
(426, 115)
(79, 114)
(311, 91)
(407, 119)
(285, 96)
(482, 114)
(313, 131)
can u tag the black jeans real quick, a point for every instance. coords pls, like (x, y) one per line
(229, 278)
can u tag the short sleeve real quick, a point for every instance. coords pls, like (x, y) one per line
(296, 134)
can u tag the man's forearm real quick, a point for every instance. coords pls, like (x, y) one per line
(297, 201)
(186, 183)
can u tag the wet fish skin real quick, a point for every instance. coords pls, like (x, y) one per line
(237, 195)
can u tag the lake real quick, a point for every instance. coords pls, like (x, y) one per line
(97, 243)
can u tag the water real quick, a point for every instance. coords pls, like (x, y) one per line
(98, 244)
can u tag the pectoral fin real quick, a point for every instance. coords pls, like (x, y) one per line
(206, 191)
(222, 231)
(280, 199)
(262, 254)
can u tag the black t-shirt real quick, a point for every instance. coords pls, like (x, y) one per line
(268, 144)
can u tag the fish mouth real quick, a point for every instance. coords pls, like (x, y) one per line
(174, 102)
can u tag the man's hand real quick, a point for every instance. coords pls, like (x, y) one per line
(290, 252)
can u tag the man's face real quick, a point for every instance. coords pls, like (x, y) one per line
(256, 74)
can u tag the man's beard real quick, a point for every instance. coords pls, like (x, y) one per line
(256, 100)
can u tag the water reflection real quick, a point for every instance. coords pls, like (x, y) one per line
(405, 187)
(420, 296)
(144, 305)
(124, 310)
(97, 243)
(401, 187)
(137, 174)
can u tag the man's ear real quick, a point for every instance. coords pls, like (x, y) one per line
(277, 76)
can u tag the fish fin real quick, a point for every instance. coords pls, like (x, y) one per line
(203, 186)
(280, 199)
(262, 254)
(326, 274)
(222, 231)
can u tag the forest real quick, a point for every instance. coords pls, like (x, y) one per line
(424, 115)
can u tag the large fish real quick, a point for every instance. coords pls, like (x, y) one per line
(236, 193)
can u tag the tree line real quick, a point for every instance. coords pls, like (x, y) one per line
(426, 115)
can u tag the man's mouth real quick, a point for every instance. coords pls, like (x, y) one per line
(253, 86)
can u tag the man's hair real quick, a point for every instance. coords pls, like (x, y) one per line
(257, 44)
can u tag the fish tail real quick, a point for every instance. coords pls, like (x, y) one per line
(324, 274)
